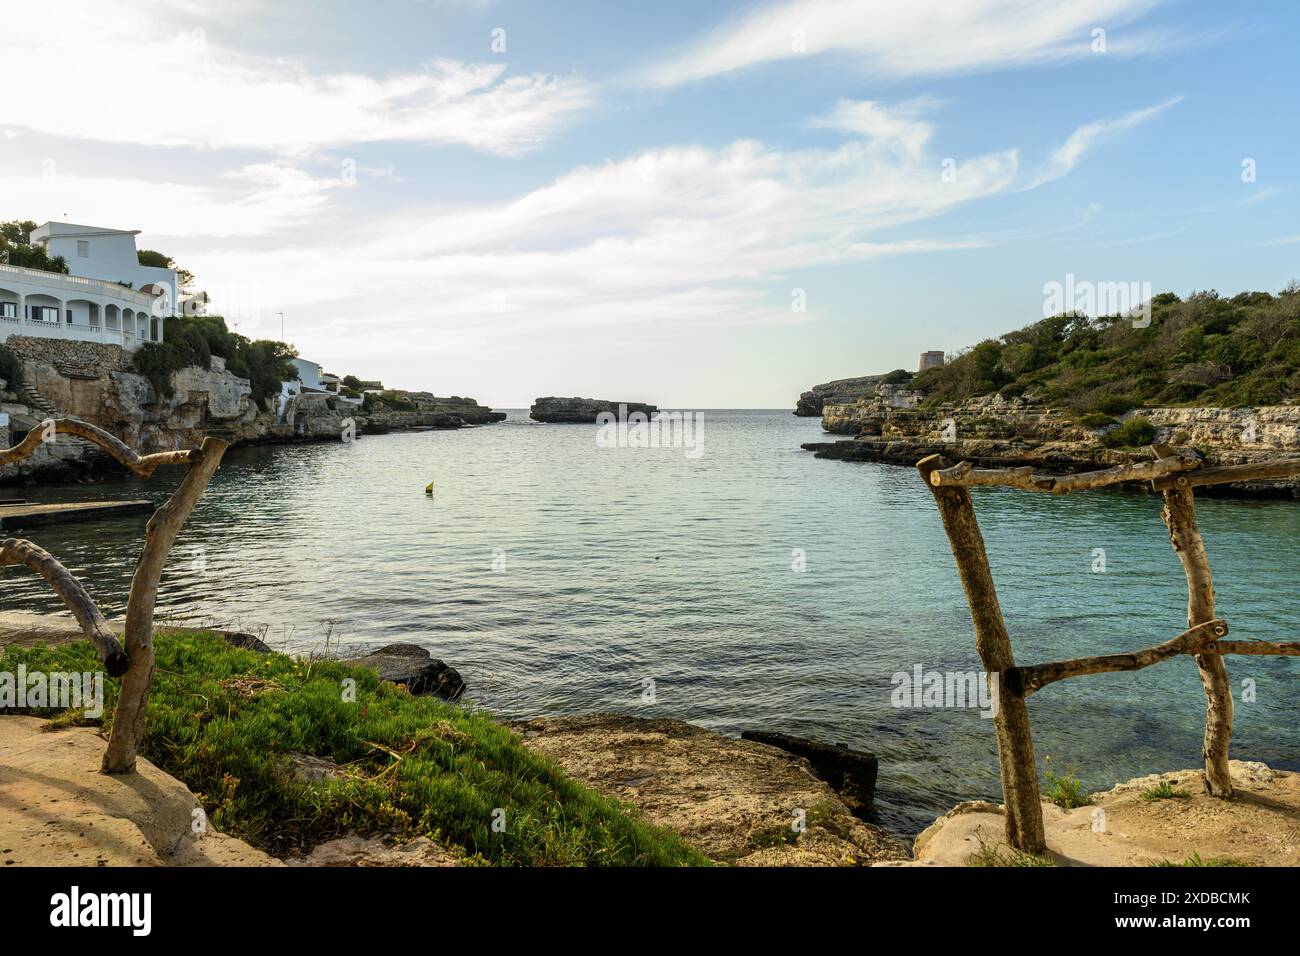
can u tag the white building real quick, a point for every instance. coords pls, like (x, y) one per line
(53, 305)
(110, 254)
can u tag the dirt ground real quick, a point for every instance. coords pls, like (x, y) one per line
(1260, 826)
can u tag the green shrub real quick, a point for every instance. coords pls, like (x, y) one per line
(1164, 791)
(1096, 420)
(11, 367)
(1066, 790)
(1134, 433)
(193, 340)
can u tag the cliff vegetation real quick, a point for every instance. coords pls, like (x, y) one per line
(1205, 350)
(193, 340)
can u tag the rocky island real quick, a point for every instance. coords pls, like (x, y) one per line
(582, 411)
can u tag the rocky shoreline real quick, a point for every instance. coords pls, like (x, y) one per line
(99, 384)
(888, 424)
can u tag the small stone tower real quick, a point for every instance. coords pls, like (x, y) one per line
(930, 360)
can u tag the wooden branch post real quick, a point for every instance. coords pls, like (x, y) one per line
(1015, 746)
(1179, 514)
(159, 536)
(134, 664)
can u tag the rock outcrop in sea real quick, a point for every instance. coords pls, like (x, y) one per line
(582, 411)
(839, 392)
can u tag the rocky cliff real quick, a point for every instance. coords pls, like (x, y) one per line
(993, 431)
(97, 383)
(582, 410)
(839, 392)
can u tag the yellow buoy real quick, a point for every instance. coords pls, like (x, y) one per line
(428, 489)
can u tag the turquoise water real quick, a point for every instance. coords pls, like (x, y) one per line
(628, 565)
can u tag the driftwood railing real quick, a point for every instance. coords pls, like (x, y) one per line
(1174, 473)
(133, 660)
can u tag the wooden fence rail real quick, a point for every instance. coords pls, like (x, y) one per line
(1173, 472)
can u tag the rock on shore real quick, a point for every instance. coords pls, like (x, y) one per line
(734, 800)
(582, 411)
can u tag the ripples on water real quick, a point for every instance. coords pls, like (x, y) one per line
(623, 565)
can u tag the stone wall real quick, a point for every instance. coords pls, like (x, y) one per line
(64, 352)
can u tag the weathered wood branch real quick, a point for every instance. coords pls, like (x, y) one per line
(1026, 680)
(1179, 514)
(1024, 816)
(1222, 474)
(963, 475)
(142, 465)
(159, 536)
(1283, 648)
(67, 587)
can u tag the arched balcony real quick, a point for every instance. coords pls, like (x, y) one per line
(51, 305)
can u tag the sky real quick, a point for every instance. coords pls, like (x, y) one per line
(696, 204)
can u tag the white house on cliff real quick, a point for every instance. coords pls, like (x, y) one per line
(91, 304)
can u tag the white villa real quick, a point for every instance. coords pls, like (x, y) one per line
(91, 304)
(311, 378)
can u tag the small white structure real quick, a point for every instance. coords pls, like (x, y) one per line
(109, 254)
(53, 305)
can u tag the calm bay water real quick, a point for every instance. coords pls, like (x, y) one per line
(628, 565)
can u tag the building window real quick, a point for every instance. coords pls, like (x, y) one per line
(83, 249)
(44, 313)
(8, 310)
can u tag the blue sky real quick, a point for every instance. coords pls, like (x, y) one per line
(627, 199)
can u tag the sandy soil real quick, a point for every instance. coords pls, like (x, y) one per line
(1260, 826)
(57, 809)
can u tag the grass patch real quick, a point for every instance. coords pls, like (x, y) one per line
(999, 854)
(1066, 790)
(222, 720)
(1165, 791)
(1195, 860)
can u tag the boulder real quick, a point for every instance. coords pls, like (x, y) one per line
(737, 801)
(415, 669)
(850, 773)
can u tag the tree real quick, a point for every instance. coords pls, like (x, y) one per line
(133, 658)
(159, 260)
(16, 248)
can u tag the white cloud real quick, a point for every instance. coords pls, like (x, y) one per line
(1066, 156)
(910, 37)
(252, 200)
(123, 72)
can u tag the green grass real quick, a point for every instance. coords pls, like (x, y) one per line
(222, 720)
(999, 854)
(1065, 790)
(1195, 860)
(1165, 791)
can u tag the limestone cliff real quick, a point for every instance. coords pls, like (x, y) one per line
(582, 410)
(839, 392)
(993, 431)
(97, 383)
